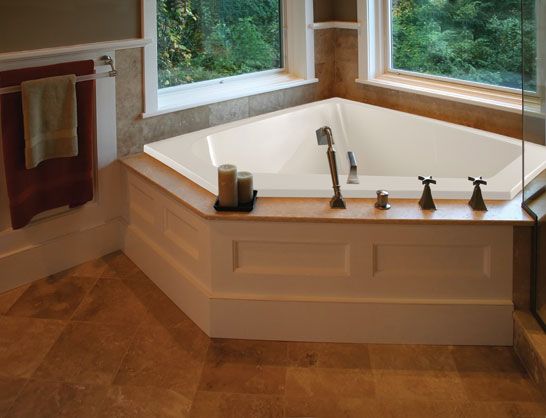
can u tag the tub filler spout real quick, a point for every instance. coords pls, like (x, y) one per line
(325, 137)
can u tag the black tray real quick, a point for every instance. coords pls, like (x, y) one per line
(246, 207)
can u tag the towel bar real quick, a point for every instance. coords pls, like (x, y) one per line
(104, 60)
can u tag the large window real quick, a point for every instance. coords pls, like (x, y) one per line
(200, 52)
(464, 50)
(471, 40)
(199, 40)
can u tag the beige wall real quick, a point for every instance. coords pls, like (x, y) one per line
(345, 10)
(324, 10)
(33, 24)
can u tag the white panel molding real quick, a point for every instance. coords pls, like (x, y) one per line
(284, 258)
(316, 282)
(181, 233)
(60, 253)
(439, 262)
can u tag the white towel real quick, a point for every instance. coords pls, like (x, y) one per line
(50, 118)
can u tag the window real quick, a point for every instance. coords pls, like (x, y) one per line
(440, 45)
(210, 39)
(205, 51)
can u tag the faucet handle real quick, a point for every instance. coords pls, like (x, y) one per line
(476, 181)
(324, 136)
(427, 180)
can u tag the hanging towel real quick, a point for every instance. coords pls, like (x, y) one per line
(50, 118)
(57, 182)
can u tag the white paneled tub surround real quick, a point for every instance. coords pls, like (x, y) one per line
(423, 284)
(392, 149)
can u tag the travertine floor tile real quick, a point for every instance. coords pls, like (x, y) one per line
(24, 342)
(9, 389)
(420, 386)
(243, 378)
(170, 358)
(498, 360)
(422, 409)
(111, 302)
(126, 350)
(329, 355)
(159, 306)
(53, 399)
(244, 366)
(55, 297)
(329, 383)
(92, 268)
(257, 353)
(504, 410)
(488, 387)
(86, 353)
(411, 358)
(371, 408)
(118, 265)
(144, 402)
(416, 373)
(494, 374)
(7, 299)
(235, 405)
(333, 407)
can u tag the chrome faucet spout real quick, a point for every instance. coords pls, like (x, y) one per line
(353, 167)
(325, 137)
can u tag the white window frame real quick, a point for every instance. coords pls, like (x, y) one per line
(298, 65)
(375, 68)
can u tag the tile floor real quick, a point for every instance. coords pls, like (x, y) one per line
(101, 340)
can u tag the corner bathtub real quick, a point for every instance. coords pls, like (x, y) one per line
(392, 148)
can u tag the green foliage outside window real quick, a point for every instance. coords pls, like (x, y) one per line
(207, 39)
(474, 40)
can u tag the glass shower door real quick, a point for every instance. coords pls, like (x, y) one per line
(534, 140)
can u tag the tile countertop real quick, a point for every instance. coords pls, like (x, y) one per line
(278, 209)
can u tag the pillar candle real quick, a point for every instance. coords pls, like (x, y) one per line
(227, 185)
(245, 186)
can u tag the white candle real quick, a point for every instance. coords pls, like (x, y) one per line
(227, 185)
(245, 186)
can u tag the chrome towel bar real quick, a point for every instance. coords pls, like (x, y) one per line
(104, 60)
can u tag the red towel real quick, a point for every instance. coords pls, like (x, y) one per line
(59, 181)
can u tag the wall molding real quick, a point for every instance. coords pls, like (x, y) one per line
(335, 24)
(318, 319)
(8, 57)
(60, 253)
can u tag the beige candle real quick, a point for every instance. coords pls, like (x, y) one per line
(245, 186)
(227, 185)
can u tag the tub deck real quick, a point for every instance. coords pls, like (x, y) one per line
(272, 209)
(298, 270)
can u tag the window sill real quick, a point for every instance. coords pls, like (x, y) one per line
(187, 97)
(498, 100)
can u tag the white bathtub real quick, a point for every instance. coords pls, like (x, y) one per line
(392, 148)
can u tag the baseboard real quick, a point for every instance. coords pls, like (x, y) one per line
(58, 254)
(222, 316)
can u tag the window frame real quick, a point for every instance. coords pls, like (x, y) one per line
(298, 65)
(375, 66)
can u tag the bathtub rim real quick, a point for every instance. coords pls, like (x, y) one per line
(452, 188)
(317, 210)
